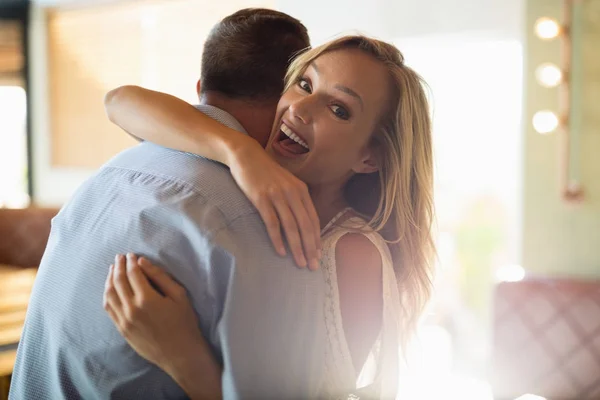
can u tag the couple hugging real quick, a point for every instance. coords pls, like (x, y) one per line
(166, 275)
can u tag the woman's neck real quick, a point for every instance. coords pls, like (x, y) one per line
(328, 201)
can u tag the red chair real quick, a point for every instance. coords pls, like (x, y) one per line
(23, 237)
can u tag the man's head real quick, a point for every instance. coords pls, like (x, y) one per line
(244, 62)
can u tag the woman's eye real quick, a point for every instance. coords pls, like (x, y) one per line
(340, 112)
(304, 85)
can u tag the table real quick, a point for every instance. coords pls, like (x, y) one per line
(15, 289)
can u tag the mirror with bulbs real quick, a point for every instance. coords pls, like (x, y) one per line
(550, 76)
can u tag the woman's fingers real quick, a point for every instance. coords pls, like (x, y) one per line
(114, 316)
(269, 217)
(162, 280)
(110, 300)
(109, 290)
(306, 229)
(121, 283)
(314, 217)
(139, 283)
(290, 227)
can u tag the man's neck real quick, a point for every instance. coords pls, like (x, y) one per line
(257, 120)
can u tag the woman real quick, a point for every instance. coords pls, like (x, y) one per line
(353, 124)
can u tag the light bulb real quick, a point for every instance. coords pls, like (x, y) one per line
(545, 122)
(548, 75)
(547, 28)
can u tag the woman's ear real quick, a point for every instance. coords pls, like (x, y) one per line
(368, 162)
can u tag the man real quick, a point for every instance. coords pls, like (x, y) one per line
(260, 314)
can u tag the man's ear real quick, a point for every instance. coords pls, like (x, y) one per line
(368, 162)
(199, 87)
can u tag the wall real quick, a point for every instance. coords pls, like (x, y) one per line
(392, 19)
(561, 239)
(52, 186)
(11, 56)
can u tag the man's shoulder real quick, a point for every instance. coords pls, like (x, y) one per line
(170, 172)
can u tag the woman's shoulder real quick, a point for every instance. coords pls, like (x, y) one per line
(357, 254)
(349, 244)
(355, 250)
(351, 236)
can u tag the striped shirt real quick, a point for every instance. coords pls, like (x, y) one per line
(262, 316)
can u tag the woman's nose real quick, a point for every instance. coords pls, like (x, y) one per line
(301, 110)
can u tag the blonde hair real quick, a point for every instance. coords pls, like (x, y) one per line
(398, 199)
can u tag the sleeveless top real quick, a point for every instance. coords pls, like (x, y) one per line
(378, 377)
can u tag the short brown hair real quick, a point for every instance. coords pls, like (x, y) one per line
(247, 54)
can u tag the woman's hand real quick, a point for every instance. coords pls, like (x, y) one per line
(162, 328)
(282, 200)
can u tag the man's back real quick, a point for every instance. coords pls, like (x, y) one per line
(186, 214)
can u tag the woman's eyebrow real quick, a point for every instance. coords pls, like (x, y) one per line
(341, 88)
(352, 93)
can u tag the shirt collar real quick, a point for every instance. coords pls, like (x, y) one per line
(221, 116)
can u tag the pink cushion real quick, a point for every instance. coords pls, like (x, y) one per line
(547, 339)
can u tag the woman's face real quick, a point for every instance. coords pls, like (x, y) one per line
(332, 111)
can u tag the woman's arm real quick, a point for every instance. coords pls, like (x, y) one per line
(171, 122)
(163, 329)
(282, 200)
(359, 275)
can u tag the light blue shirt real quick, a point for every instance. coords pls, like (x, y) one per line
(262, 316)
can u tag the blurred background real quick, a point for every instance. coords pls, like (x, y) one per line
(515, 90)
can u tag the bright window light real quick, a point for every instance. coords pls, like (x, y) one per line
(510, 273)
(13, 148)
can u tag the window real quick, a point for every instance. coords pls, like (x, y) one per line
(476, 91)
(14, 173)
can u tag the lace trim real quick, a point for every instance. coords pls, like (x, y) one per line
(341, 377)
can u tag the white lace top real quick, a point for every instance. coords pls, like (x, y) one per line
(378, 377)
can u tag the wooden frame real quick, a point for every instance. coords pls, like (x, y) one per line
(571, 190)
